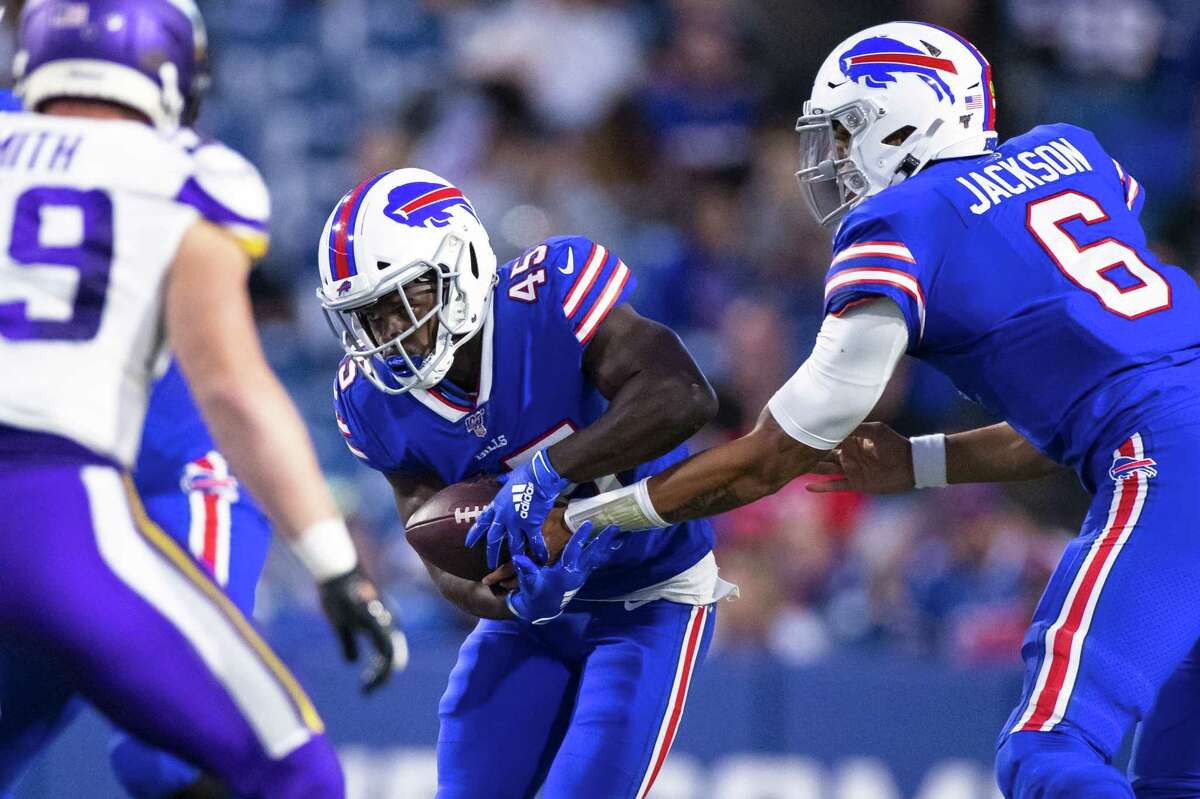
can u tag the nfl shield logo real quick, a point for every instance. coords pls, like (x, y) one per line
(477, 422)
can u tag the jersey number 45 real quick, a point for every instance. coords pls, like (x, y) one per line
(1088, 266)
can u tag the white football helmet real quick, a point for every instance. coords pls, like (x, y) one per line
(907, 93)
(398, 227)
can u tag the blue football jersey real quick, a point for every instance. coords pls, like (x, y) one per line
(1025, 277)
(175, 442)
(532, 393)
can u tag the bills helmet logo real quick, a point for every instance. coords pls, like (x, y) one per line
(1124, 467)
(343, 287)
(428, 205)
(875, 62)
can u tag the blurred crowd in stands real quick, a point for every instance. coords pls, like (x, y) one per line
(663, 129)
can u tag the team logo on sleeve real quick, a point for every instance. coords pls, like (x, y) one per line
(1124, 467)
(876, 61)
(429, 205)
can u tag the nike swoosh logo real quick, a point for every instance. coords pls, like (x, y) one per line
(570, 262)
(833, 85)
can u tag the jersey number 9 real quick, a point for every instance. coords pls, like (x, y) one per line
(57, 231)
(1087, 266)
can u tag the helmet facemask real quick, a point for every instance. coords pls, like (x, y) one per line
(831, 151)
(393, 365)
(831, 181)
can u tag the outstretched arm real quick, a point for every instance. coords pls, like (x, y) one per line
(824, 401)
(211, 329)
(875, 459)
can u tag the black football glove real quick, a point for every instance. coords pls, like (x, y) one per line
(352, 605)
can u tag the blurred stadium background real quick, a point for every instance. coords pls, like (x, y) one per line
(874, 652)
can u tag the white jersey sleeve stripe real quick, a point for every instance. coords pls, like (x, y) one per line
(876, 249)
(1132, 193)
(586, 278)
(608, 298)
(892, 277)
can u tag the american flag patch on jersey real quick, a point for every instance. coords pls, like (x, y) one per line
(974, 102)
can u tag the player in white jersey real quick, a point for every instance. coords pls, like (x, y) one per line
(106, 252)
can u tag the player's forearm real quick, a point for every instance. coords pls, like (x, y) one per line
(731, 475)
(210, 325)
(259, 430)
(472, 598)
(997, 453)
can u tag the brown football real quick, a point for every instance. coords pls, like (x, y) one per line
(437, 530)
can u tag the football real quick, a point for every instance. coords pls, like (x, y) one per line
(437, 530)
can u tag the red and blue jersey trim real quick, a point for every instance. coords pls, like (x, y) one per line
(341, 233)
(877, 268)
(603, 283)
(1133, 190)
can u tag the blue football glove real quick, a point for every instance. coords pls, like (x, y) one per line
(544, 591)
(517, 512)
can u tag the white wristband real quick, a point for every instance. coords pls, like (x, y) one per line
(629, 508)
(929, 460)
(326, 549)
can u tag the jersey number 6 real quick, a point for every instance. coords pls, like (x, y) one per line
(1087, 266)
(57, 231)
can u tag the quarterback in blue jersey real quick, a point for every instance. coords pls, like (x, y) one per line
(574, 681)
(1021, 271)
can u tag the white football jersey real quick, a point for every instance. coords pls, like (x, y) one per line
(91, 216)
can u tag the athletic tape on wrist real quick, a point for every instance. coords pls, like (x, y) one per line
(629, 508)
(326, 549)
(929, 460)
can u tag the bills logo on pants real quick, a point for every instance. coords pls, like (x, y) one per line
(1064, 639)
(210, 489)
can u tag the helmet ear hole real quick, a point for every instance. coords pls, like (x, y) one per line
(899, 136)
(474, 263)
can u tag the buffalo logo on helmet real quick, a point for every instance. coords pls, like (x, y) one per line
(1124, 467)
(428, 205)
(343, 287)
(876, 61)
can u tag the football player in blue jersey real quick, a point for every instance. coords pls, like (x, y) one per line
(574, 681)
(1021, 271)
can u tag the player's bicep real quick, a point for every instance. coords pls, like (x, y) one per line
(412, 490)
(628, 344)
(835, 389)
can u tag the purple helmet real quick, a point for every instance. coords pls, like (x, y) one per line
(149, 55)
